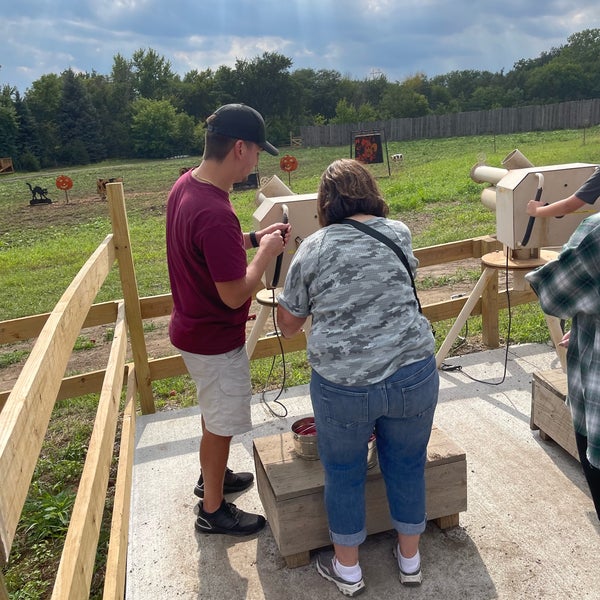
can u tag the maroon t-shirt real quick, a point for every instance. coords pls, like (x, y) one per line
(205, 244)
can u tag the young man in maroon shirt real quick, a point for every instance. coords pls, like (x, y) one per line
(212, 284)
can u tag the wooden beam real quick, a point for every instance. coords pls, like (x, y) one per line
(453, 251)
(118, 217)
(24, 418)
(116, 559)
(156, 306)
(25, 328)
(76, 567)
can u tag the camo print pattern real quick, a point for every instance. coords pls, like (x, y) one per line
(365, 319)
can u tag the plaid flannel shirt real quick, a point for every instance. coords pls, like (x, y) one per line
(569, 287)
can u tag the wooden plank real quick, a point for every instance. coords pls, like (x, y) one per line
(156, 306)
(6, 165)
(24, 418)
(79, 385)
(25, 328)
(269, 346)
(489, 313)
(116, 559)
(72, 387)
(556, 335)
(118, 217)
(168, 366)
(444, 253)
(298, 520)
(450, 309)
(75, 570)
(554, 380)
(291, 476)
(549, 412)
(3, 590)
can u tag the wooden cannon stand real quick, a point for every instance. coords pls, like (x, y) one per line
(492, 263)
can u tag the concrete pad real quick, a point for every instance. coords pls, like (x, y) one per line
(530, 530)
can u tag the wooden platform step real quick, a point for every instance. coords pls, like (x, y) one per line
(291, 491)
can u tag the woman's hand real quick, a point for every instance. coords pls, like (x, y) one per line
(565, 340)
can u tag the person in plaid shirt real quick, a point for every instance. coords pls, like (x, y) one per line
(569, 288)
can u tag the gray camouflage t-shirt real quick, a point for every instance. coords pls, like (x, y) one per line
(365, 319)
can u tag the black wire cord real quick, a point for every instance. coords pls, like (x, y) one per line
(263, 396)
(445, 367)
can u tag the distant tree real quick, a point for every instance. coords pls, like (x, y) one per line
(9, 127)
(152, 75)
(154, 129)
(226, 87)
(400, 101)
(265, 84)
(557, 82)
(119, 102)
(345, 113)
(320, 91)
(28, 139)
(348, 113)
(194, 94)
(43, 99)
(78, 123)
(371, 90)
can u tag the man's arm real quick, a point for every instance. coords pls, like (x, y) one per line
(556, 209)
(272, 243)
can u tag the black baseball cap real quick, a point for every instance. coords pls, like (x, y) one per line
(242, 123)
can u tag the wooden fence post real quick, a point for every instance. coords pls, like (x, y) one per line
(118, 216)
(490, 335)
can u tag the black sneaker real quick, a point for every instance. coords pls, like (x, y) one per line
(229, 519)
(234, 482)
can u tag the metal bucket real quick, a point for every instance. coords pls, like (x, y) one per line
(305, 438)
(305, 442)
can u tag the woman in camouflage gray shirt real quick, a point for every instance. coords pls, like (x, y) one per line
(373, 367)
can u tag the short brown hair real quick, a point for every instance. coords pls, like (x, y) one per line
(217, 147)
(346, 189)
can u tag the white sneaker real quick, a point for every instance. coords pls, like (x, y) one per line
(408, 579)
(326, 570)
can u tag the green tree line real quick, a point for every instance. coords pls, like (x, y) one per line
(143, 109)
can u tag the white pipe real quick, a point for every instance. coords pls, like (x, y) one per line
(485, 174)
(488, 197)
(516, 160)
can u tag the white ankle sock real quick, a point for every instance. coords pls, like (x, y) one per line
(409, 565)
(352, 574)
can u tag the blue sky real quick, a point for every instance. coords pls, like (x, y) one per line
(357, 38)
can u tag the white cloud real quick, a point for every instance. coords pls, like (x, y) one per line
(354, 37)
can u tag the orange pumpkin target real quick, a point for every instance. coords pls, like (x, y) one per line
(288, 163)
(64, 183)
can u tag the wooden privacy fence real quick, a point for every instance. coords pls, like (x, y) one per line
(25, 411)
(545, 117)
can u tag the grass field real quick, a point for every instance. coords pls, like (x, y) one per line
(42, 248)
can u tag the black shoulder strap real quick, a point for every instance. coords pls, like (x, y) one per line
(386, 240)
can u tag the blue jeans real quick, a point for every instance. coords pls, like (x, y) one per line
(400, 410)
